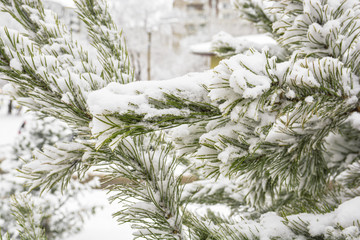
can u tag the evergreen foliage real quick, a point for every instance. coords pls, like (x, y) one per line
(280, 131)
(28, 218)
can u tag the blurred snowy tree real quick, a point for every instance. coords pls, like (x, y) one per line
(62, 213)
(34, 134)
(273, 135)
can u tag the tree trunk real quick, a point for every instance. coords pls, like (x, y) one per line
(10, 107)
(149, 57)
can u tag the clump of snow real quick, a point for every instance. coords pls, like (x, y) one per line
(242, 76)
(346, 215)
(309, 99)
(354, 120)
(273, 227)
(15, 64)
(240, 81)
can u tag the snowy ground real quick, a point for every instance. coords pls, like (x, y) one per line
(9, 126)
(102, 225)
(99, 226)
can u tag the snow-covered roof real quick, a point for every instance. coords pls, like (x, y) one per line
(206, 47)
(259, 39)
(202, 48)
(64, 3)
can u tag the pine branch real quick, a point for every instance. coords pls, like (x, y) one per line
(351, 176)
(214, 227)
(317, 28)
(254, 13)
(27, 13)
(211, 192)
(141, 107)
(57, 165)
(7, 237)
(256, 118)
(156, 212)
(262, 109)
(28, 220)
(46, 67)
(108, 41)
(54, 75)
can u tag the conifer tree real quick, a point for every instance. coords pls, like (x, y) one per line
(273, 137)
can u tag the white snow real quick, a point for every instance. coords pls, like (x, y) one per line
(201, 48)
(9, 124)
(248, 40)
(347, 215)
(241, 79)
(9, 128)
(354, 120)
(15, 64)
(102, 225)
(309, 99)
(122, 98)
(273, 227)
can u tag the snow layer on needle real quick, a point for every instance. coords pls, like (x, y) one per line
(241, 79)
(301, 76)
(134, 97)
(319, 30)
(273, 226)
(327, 225)
(347, 215)
(239, 82)
(23, 43)
(143, 100)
